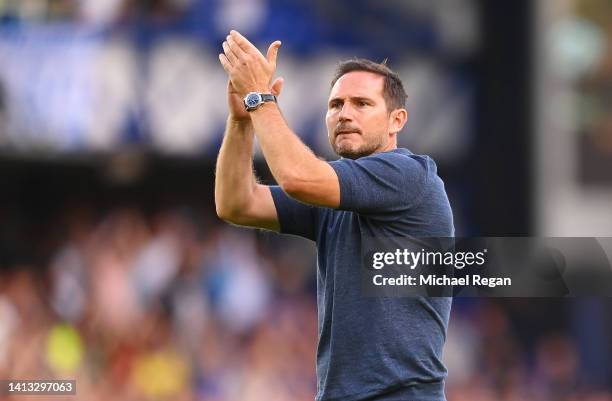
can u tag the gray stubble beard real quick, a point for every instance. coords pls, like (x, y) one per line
(365, 150)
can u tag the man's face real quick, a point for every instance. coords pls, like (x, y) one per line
(357, 119)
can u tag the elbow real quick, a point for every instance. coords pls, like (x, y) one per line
(292, 185)
(225, 213)
(232, 214)
(233, 209)
(221, 213)
(225, 207)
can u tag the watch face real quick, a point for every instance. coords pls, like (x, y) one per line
(252, 99)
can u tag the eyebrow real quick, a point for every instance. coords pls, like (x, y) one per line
(353, 98)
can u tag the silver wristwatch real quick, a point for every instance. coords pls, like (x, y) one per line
(255, 99)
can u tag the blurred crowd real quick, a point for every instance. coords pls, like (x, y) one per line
(161, 308)
(89, 11)
(174, 306)
(90, 75)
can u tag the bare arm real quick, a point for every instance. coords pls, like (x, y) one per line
(295, 167)
(297, 170)
(239, 199)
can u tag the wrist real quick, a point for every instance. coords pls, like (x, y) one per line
(239, 122)
(262, 108)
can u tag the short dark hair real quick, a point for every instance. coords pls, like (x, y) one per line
(393, 88)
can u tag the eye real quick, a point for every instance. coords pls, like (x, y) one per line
(362, 103)
(334, 105)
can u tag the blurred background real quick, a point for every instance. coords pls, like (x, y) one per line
(115, 271)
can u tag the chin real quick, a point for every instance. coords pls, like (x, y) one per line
(352, 149)
(350, 153)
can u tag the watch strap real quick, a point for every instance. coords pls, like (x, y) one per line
(268, 97)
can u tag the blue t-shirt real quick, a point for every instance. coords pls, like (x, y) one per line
(371, 346)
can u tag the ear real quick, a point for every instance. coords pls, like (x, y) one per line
(397, 120)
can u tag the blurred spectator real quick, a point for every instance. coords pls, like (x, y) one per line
(151, 307)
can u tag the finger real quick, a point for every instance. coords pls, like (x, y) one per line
(243, 42)
(225, 63)
(233, 45)
(277, 86)
(229, 53)
(273, 52)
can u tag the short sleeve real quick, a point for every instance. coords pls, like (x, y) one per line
(294, 217)
(383, 182)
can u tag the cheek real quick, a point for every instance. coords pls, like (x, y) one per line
(375, 123)
(330, 121)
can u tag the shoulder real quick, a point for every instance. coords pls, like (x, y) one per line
(407, 159)
(399, 155)
(400, 160)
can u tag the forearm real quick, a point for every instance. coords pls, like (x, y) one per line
(288, 158)
(296, 169)
(234, 178)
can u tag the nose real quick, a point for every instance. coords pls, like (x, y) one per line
(346, 114)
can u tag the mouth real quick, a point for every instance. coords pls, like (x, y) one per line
(341, 133)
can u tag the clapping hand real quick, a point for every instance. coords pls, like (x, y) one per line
(248, 69)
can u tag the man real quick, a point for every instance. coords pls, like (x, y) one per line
(370, 348)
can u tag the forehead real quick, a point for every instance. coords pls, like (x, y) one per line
(358, 84)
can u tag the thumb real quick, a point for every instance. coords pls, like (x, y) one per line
(277, 86)
(273, 52)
